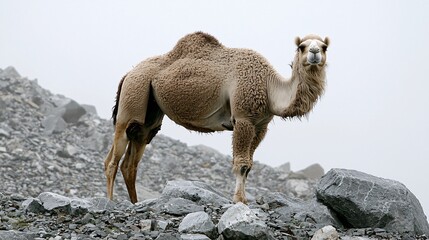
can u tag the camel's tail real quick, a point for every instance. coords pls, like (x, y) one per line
(118, 94)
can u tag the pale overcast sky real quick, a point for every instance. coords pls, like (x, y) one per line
(373, 117)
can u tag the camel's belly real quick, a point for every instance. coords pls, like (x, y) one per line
(194, 95)
(216, 120)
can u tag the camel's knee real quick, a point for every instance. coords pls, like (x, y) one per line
(134, 132)
(242, 167)
(244, 170)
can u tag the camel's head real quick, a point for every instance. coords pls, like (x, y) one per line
(312, 51)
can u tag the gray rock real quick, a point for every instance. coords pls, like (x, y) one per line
(48, 201)
(69, 110)
(314, 171)
(54, 124)
(164, 224)
(285, 167)
(146, 225)
(97, 142)
(326, 233)
(296, 210)
(179, 207)
(80, 206)
(194, 237)
(356, 238)
(195, 191)
(72, 111)
(198, 222)
(4, 133)
(33, 205)
(16, 235)
(9, 72)
(100, 204)
(364, 201)
(240, 222)
(90, 109)
(167, 236)
(300, 188)
(68, 151)
(52, 201)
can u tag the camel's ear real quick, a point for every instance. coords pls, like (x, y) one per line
(297, 41)
(327, 41)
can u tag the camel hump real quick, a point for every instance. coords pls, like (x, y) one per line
(195, 45)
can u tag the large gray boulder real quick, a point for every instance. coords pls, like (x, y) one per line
(366, 201)
(240, 222)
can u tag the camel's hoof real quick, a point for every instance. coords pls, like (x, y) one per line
(239, 198)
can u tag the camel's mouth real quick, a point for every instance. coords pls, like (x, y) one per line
(314, 58)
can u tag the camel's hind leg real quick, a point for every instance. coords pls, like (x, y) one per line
(129, 166)
(115, 154)
(140, 135)
(133, 156)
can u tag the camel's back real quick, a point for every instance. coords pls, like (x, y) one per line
(196, 45)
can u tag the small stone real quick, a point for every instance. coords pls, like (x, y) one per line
(194, 237)
(4, 133)
(72, 226)
(86, 219)
(326, 233)
(122, 237)
(164, 224)
(146, 225)
(239, 222)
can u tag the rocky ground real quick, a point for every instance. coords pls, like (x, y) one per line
(53, 186)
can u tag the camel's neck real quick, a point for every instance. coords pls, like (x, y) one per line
(295, 97)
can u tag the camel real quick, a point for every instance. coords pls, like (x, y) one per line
(207, 87)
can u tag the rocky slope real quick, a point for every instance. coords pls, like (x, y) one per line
(52, 149)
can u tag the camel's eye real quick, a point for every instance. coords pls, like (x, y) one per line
(301, 47)
(324, 47)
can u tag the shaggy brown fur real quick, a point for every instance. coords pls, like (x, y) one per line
(205, 86)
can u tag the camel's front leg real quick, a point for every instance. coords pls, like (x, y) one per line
(244, 132)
